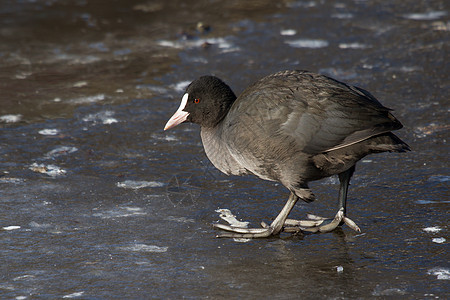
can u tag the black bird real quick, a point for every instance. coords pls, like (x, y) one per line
(292, 127)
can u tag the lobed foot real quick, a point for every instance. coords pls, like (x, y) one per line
(314, 223)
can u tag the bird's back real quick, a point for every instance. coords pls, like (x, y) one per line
(277, 125)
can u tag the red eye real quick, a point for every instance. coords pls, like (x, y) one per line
(196, 100)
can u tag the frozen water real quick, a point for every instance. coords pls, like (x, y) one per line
(60, 151)
(132, 184)
(433, 229)
(431, 15)
(288, 32)
(10, 118)
(440, 273)
(145, 248)
(49, 131)
(307, 43)
(50, 170)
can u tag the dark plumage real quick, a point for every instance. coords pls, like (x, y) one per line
(292, 127)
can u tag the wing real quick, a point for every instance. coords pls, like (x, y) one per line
(309, 112)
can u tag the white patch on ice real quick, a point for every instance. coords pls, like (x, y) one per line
(170, 138)
(21, 297)
(23, 277)
(304, 4)
(11, 180)
(353, 46)
(49, 131)
(34, 224)
(226, 215)
(145, 248)
(12, 227)
(132, 184)
(433, 229)
(110, 121)
(431, 15)
(307, 43)
(180, 219)
(80, 84)
(339, 269)
(170, 44)
(63, 150)
(181, 86)
(134, 209)
(221, 43)
(73, 295)
(10, 118)
(288, 32)
(121, 212)
(50, 170)
(342, 15)
(441, 273)
(441, 25)
(105, 117)
(119, 91)
(88, 99)
(440, 240)
(439, 178)
(430, 201)
(379, 291)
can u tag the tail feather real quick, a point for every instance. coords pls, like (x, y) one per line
(388, 142)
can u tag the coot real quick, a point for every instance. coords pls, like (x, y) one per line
(292, 127)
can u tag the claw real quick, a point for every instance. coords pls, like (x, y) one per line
(351, 224)
(264, 225)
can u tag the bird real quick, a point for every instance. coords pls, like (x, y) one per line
(291, 127)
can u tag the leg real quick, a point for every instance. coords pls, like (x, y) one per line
(344, 179)
(314, 223)
(274, 228)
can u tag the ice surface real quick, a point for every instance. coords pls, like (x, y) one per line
(50, 170)
(12, 227)
(59, 151)
(145, 248)
(226, 215)
(181, 86)
(432, 229)
(307, 43)
(440, 273)
(221, 43)
(431, 15)
(132, 184)
(87, 99)
(10, 118)
(52, 131)
(439, 240)
(353, 46)
(104, 117)
(120, 212)
(73, 295)
(288, 32)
